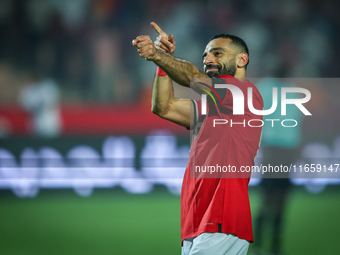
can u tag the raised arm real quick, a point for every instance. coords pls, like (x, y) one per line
(166, 106)
(164, 103)
(180, 71)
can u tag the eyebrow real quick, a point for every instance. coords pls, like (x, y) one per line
(212, 49)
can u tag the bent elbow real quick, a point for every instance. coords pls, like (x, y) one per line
(161, 112)
(156, 110)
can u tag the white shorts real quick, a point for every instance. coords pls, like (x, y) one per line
(216, 244)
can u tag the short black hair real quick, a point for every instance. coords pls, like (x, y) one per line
(235, 40)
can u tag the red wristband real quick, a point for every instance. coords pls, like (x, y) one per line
(160, 72)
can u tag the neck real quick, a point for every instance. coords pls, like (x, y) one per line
(240, 73)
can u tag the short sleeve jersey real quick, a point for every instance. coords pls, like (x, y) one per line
(221, 204)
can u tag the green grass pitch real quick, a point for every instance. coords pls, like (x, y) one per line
(114, 222)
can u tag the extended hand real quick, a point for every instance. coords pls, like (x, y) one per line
(164, 42)
(145, 47)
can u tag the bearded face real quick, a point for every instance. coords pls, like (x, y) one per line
(228, 68)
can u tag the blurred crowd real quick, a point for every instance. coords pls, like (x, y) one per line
(84, 47)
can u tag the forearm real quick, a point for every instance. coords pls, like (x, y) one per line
(162, 94)
(180, 71)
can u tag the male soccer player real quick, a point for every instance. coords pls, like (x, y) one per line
(215, 212)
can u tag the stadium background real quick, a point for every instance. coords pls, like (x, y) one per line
(55, 197)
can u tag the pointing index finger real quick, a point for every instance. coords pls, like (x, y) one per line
(159, 30)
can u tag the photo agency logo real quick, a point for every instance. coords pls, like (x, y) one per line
(302, 96)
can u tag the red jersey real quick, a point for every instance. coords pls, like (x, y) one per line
(221, 204)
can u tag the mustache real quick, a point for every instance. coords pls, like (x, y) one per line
(218, 67)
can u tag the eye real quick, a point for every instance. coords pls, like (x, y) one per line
(217, 53)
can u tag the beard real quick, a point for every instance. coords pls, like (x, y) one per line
(227, 69)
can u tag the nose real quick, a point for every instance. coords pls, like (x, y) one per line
(208, 60)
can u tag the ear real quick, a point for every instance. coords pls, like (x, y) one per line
(242, 59)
